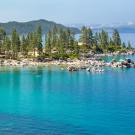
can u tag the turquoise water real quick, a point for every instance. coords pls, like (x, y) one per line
(118, 58)
(50, 101)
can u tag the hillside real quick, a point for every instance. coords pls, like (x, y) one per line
(26, 27)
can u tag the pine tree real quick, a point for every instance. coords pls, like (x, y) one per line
(87, 37)
(129, 45)
(35, 43)
(76, 48)
(54, 36)
(90, 40)
(116, 38)
(111, 43)
(83, 36)
(15, 41)
(24, 46)
(96, 39)
(123, 45)
(39, 40)
(104, 39)
(70, 38)
(2, 37)
(7, 46)
(48, 45)
(62, 42)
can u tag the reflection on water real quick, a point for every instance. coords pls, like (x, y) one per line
(53, 101)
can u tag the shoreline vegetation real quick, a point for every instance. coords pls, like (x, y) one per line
(61, 48)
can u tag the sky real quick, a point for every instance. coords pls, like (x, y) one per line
(69, 11)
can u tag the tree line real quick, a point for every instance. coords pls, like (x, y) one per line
(102, 42)
(59, 43)
(15, 45)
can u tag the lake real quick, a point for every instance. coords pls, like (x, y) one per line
(50, 101)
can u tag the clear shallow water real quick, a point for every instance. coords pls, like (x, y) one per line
(49, 101)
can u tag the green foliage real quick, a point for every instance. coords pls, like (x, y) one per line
(39, 40)
(97, 49)
(129, 45)
(2, 37)
(84, 49)
(112, 48)
(103, 39)
(48, 44)
(73, 56)
(59, 56)
(87, 37)
(116, 38)
(59, 43)
(15, 43)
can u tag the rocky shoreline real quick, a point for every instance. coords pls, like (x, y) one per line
(92, 64)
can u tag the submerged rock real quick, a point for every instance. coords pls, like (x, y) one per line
(72, 68)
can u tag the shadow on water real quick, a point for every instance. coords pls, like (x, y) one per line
(23, 125)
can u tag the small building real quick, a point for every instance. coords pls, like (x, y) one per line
(80, 43)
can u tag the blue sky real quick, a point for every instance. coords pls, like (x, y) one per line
(68, 11)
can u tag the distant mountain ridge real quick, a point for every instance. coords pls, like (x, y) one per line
(121, 27)
(26, 27)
